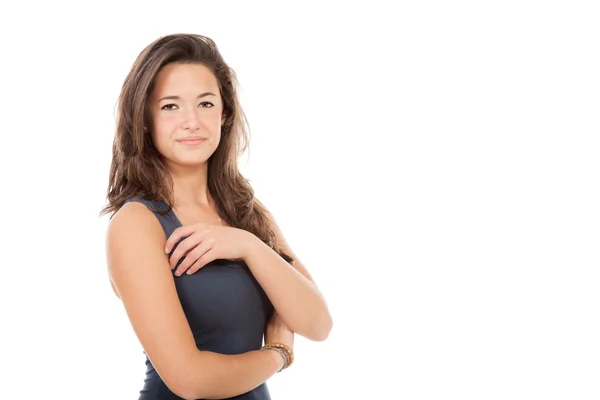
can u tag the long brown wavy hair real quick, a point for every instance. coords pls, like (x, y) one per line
(137, 168)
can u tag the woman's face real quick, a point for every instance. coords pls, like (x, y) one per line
(186, 111)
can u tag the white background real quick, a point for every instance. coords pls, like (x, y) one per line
(434, 164)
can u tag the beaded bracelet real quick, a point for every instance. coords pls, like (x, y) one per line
(283, 355)
(286, 352)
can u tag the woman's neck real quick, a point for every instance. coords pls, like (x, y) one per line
(191, 187)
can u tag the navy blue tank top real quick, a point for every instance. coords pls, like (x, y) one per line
(226, 308)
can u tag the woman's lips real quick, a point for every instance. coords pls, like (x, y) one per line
(191, 141)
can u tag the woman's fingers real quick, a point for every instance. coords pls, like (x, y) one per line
(207, 257)
(183, 248)
(193, 256)
(177, 234)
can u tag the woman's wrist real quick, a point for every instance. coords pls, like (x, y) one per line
(285, 352)
(253, 243)
(277, 357)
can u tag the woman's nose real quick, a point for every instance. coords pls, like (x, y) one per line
(191, 121)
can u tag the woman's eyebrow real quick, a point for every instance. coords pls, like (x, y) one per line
(179, 98)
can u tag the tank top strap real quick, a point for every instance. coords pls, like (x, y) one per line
(167, 218)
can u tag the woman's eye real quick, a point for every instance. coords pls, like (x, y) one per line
(168, 107)
(207, 104)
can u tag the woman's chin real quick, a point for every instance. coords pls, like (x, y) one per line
(188, 163)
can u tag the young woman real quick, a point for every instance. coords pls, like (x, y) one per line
(199, 263)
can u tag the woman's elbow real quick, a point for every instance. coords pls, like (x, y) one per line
(186, 391)
(185, 386)
(324, 333)
(320, 331)
(181, 389)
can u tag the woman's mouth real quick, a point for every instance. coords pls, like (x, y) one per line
(192, 141)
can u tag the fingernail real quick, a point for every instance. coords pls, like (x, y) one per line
(189, 272)
(167, 250)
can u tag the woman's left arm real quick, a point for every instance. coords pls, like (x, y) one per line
(291, 289)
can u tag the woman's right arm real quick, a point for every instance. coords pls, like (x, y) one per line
(140, 274)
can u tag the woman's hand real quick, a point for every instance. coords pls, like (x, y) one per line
(204, 243)
(277, 331)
